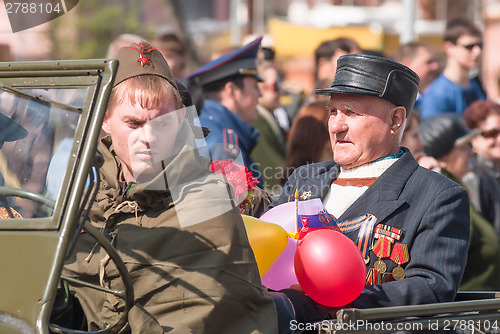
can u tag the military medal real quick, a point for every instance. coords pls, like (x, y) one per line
(398, 273)
(382, 249)
(380, 265)
(400, 256)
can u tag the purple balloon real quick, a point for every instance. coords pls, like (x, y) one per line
(282, 273)
(284, 215)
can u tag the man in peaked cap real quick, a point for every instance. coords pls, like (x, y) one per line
(417, 220)
(179, 235)
(10, 130)
(229, 86)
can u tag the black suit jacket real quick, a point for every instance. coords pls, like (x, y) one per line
(431, 210)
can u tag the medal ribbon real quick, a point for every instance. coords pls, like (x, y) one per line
(365, 234)
(351, 225)
(382, 247)
(347, 226)
(373, 277)
(400, 254)
(378, 236)
(388, 231)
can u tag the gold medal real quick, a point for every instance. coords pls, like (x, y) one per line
(380, 265)
(398, 273)
(399, 255)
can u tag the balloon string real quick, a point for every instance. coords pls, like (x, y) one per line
(296, 209)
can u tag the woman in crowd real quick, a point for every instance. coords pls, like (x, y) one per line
(412, 141)
(448, 141)
(308, 140)
(484, 181)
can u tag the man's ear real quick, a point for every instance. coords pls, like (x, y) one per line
(322, 62)
(227, 97)
(398, 115)
(231, 87)
(447, 45)
(227, 91)
(181, 113)
(105, 124)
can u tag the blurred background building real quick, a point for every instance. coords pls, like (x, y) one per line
(296, 28)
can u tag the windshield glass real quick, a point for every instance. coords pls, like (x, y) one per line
(37, 163)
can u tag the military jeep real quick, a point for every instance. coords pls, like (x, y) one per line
(50, 178)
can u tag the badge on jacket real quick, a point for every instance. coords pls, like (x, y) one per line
(231, 143)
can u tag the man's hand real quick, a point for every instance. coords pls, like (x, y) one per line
(297, 287)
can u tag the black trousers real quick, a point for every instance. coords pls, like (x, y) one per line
(296, 310)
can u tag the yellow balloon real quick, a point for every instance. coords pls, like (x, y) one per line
(267, 240)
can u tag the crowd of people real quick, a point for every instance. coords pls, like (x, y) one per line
(405, 140)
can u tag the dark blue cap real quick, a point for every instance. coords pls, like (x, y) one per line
(10, 130)
(240, 61)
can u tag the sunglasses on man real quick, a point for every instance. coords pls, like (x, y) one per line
(492, 133)
(471, 46)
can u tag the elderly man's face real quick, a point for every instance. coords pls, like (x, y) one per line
(363, 128)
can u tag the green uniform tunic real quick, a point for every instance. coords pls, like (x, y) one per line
(186, 249)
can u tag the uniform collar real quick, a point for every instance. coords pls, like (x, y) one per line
(248, 135)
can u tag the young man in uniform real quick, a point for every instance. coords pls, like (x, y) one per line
(231, 93)
(169, 217)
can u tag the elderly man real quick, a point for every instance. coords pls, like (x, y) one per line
(421, 216)
(170, 218)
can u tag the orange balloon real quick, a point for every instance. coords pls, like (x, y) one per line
(267, 240)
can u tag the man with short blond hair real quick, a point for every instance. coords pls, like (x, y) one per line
(171, 219)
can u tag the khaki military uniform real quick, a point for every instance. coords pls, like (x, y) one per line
(185, 248)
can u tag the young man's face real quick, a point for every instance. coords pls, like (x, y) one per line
(270, 89)
(361, 129)
(246, 99)
(425, 65)
(176, 62)
(143, 138)
(467, 51)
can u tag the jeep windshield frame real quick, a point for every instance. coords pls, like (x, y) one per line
(60, 104)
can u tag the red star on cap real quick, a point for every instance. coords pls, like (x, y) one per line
(144, 60)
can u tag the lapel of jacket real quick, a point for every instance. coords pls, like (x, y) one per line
(321, 184)
(383, 197)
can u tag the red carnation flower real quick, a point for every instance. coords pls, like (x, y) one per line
(240, 178)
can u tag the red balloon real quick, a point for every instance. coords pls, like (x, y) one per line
(330, 268)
